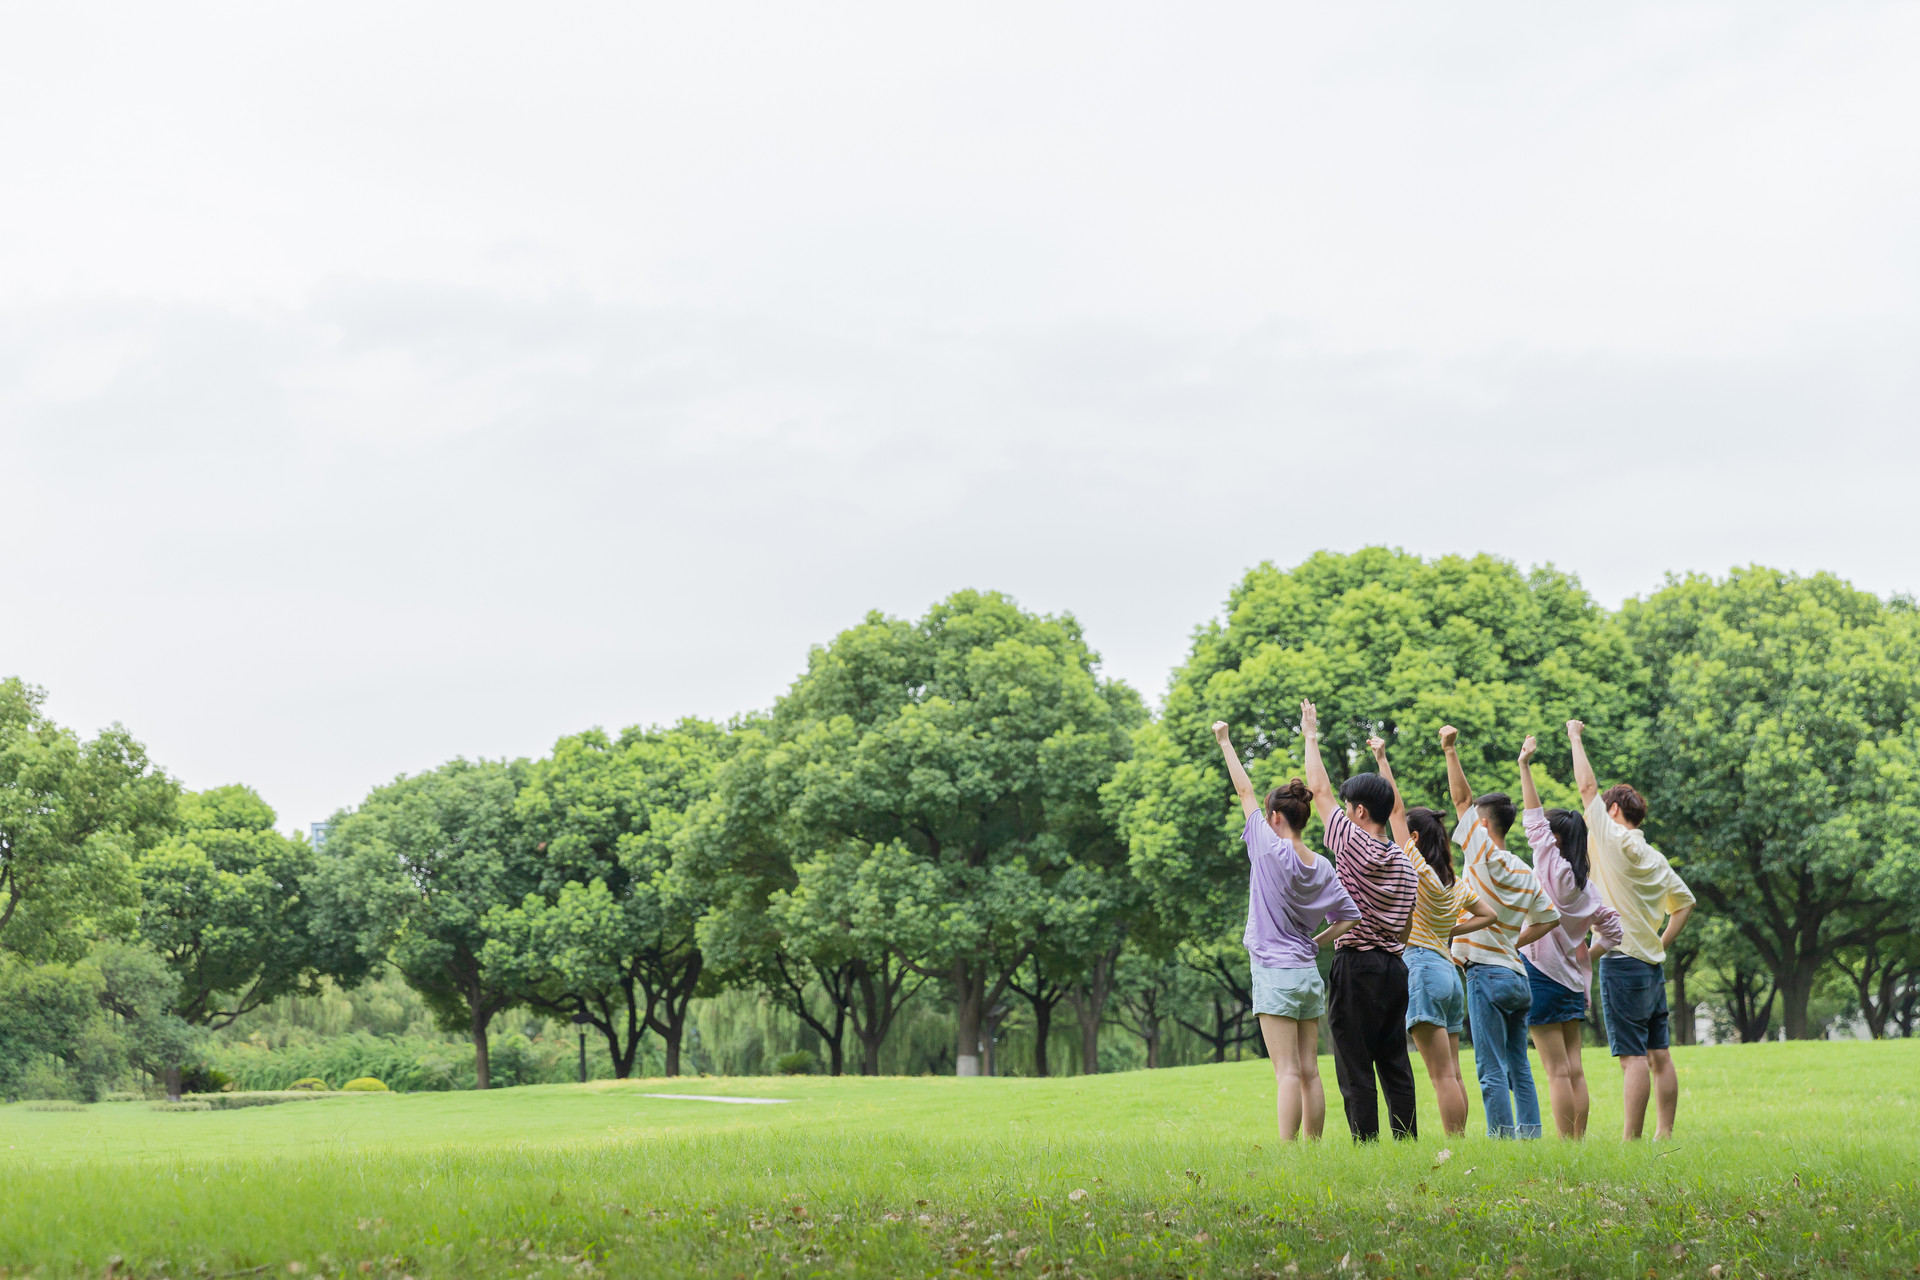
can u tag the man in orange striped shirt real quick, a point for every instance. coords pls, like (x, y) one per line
(1498, 995)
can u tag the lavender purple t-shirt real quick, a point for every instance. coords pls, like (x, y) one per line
(1286, 900)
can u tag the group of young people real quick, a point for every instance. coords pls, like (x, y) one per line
(1421, 950)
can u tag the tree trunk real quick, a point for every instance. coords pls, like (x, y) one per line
(1682, 1011)
(173, 1082)
(969, 996)
(989, 1038)
(482, 1071)
(1089, 999)
(1796, 990)
(1042, 1024)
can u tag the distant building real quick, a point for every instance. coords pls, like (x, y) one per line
(317, 834)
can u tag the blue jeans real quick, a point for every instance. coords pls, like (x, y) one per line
(1497, 1004)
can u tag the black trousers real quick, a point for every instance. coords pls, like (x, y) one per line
(1367, 1016)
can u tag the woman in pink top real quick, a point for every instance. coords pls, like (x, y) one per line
(1558, 965)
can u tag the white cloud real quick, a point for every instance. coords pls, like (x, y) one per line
(397, 382)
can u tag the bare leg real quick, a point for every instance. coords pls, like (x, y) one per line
(1577, 1073)
(1282, 1036)
(1313, 1099)
(1459, 1081)
(1636, 1097)
(1550, 1042)
(1443, 1070)
(1666, 1091)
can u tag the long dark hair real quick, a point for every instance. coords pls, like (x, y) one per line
(1570, 833)
(1430, 834)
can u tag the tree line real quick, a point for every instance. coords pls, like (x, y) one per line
(961, 807)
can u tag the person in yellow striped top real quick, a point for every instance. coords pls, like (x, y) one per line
(1498, 995)
(1444, 908)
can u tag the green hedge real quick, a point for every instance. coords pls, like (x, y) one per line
(408, 1064)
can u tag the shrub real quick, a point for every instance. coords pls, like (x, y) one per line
(314, 1083)
(798, 1063)
(123, 1095)
(53, 1104)
(180, 1106)
(201, 1078)
(365, 1084)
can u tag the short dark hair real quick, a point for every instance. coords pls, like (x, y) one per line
(1430, 837)
(1292, 802)
(1497, 808)
(1633, 805)
(1371, 792)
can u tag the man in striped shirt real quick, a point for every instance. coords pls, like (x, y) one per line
(1498, 995)
(1367, 988)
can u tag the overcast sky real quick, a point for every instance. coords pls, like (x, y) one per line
(386, 382)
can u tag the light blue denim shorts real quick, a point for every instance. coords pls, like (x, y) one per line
(1289, 993)
(1434, 993)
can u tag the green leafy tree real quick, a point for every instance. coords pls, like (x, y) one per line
(936, 782)
(411, 875)
(139, 990)
(1782, 766)
(1386, 643)
(226, 903)
(73, 815)
(608, 932)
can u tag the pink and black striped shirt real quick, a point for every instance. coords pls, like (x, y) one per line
(1379, 879)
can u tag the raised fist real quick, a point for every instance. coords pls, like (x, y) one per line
(1309, 719)
(1447, 735)
(1574, 727)
(1220, 731)
(1527, 749)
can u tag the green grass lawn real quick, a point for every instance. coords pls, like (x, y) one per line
(1790, 1159)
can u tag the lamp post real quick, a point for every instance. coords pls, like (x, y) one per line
(580, 1021)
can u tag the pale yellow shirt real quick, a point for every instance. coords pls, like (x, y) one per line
(1636, 881)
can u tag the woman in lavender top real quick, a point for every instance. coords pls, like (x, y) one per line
(1290, 890)
(1559, 964)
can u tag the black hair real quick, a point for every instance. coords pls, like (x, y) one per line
(1570, 833)
(1430, 835)
(1371, 792)
(1497, 808)
(1292, 802)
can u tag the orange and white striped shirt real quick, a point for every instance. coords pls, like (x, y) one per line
(1507, 887)
(1438, 906)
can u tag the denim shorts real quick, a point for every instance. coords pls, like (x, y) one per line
(1552, 1001)
(1634, 995)
(1434, 993)
(1289, 993)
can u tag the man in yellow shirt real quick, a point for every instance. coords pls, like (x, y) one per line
(1653, 904)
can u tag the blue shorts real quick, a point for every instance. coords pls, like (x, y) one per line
(1634, 995)
(1434, 993)
(1552, 1002)
(1289, 993)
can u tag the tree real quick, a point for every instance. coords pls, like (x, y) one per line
(763, 928)
(947, 774)
(139, 991)
(226, 903)
(73, 815)
(411, 875)
(1782, 765)
(608, 933)
(1883, 974)
(1386, 643)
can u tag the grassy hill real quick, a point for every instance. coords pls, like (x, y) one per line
(1790, 1159)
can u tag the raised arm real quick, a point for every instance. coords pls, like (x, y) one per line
(1242, 785)
(1582, 768)
(1397, 820)
(1317, 782)
(1529, 795)
(1457, 788)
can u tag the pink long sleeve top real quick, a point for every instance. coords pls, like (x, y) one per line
(1581, 909)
